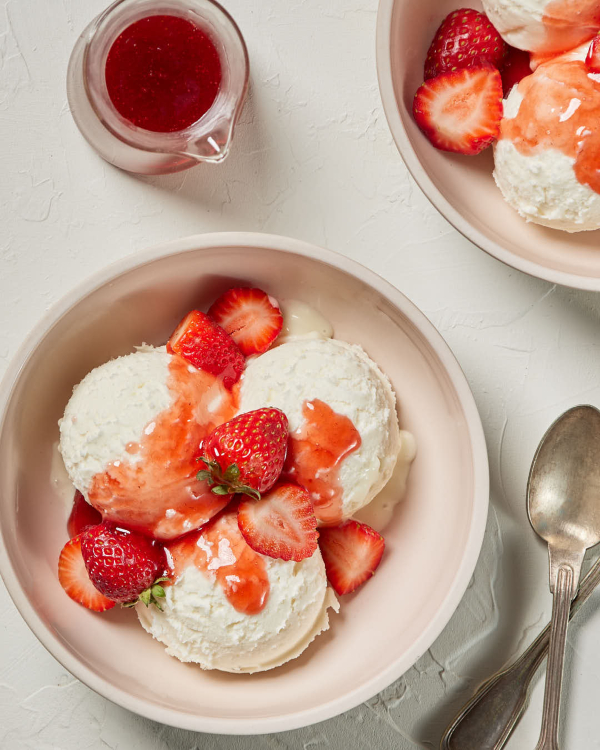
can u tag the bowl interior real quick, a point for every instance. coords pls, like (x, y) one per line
(380, 631)
(462, 188)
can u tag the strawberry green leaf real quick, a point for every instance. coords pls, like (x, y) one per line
(250, 491)
(219, 489)
(232, 473)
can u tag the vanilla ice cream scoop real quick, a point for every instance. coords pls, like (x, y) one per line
(341, 409)
(546, 158)
(130, 438)
(233, 609)
(544, 26)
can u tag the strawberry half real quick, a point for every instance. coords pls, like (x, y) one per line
(250, 317)
(465, 38)
(82, 515)
(593, 56)
(282, 524)
(517, 66)
(123, 565)
(246, 454)
(75, 580)
(208, 347)
(461, 111)
(351, 553)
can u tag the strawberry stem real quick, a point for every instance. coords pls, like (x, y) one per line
(224, 482)
(151, 595)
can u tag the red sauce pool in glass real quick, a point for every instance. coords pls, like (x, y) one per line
(163, 73)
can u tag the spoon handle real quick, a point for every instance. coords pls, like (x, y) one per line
(488, 719)
(563, 593)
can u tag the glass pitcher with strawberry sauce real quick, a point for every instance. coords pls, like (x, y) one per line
(156, 86)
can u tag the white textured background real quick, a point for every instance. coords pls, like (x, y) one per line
(314, 159)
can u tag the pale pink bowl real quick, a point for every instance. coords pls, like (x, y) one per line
(460, 187)
(433, 540)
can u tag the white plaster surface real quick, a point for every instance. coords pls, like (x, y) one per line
(313, 159)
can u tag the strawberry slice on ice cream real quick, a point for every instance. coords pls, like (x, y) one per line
(351, 552)
(282, 524)
(208, 347)
(250, 317)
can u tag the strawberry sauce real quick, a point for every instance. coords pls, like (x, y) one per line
(315, 454)
(561, 110)
(157, 492)
(163, 73)
(569, 23)
(219, 549)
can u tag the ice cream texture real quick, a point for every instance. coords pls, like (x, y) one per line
(544, 26)
(235, 610)
(341, 409)
(130, 436)
(546, 159)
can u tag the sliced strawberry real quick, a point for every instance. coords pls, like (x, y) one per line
(461, 111)
(82, 516)
(282, 524)
(593, 56)
(247, 453)
(516, 66)
(208, 347)
(351, 553)
(465, 38)
(250, 317)
(75, 580)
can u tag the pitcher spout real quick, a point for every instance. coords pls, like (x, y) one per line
(213, 146)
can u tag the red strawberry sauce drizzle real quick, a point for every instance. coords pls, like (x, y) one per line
(561, 110)
(159, 494)
(570, 22)
(219, 549)
(315, 453)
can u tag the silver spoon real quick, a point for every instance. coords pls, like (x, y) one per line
(563, 503)
(488, 719)
(564, 499)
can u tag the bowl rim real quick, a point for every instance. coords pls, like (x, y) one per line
(435, 197)
(473, 543)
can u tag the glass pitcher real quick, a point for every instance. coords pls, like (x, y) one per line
(142, 151)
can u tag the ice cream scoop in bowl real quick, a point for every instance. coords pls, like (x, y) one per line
(441, 520)
(462, 188)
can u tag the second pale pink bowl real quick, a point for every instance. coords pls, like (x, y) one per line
(432, 543)
(462, 188)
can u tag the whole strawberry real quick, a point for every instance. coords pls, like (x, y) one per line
(465, 38)
(247, 453)
(123, 565)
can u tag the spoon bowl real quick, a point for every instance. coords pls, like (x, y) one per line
(563, 503)
(563, 491)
